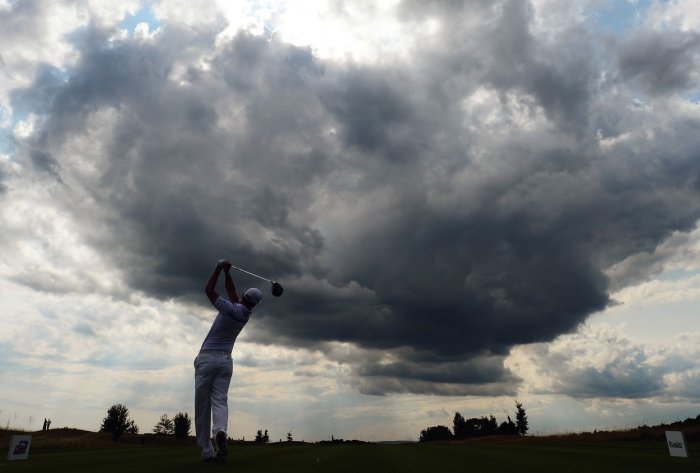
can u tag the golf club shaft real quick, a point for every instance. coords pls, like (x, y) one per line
(248, 272)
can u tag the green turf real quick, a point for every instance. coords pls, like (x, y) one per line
(518, 457)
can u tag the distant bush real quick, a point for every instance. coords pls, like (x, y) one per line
(165, 426)
(183, 424)
(437, 433)
(262, 438)
(118, 423)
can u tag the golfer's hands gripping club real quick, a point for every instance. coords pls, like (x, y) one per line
(225, 265)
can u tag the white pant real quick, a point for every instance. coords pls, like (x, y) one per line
(212, 376)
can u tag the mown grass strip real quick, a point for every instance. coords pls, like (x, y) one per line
(523, 457)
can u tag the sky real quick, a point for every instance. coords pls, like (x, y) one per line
(468, 203)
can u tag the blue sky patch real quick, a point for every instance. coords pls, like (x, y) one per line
(619, 16)
(678, 274)
(144, 15)
(5, 142)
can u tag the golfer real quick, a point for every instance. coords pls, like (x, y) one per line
(213, 365)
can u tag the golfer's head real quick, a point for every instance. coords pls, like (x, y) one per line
(252, 296)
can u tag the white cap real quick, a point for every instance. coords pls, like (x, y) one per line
(253, 295)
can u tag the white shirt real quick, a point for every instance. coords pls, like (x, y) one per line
(227, 325)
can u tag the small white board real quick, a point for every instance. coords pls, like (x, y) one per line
(19, 447)
(676, 444)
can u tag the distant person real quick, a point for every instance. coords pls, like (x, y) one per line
(214, 366)
(48, 424)
(44, 427)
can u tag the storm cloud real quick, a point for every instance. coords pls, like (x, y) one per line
(430, 213)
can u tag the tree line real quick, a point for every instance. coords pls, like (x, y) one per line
(264, 438)
(117, 422)
(478, 427)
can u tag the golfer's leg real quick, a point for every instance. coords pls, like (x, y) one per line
(219, 396)
(202, 404)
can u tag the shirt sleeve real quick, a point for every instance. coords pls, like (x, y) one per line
(235, 311)
(223, 305)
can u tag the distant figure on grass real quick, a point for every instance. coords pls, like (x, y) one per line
(213, 365)
(44, 427)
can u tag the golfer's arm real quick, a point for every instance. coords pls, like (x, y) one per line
(210, 288)
(230, 288)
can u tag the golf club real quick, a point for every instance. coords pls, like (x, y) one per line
(277, 289)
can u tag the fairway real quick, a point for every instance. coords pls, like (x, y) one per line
(532, 456)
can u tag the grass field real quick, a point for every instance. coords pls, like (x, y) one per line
(497, 456)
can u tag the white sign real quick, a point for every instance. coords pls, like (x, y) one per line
(19, 447)
(676, 444)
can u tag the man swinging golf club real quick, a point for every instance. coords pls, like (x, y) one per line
(213, 365)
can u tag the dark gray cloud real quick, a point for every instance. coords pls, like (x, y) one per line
(662, 62)
(398, 221)
(628, 379)
(43, 161)
(84, 329)
(4, 175)
(602, 364)
(689, 387)
(477, 376)
(651, 263)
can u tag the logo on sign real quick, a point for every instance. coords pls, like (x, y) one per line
(676, 444)
(21, 448)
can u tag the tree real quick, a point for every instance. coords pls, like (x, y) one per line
(459, 426)
(489, 426)
(258, 437)
(289, 437)
(118, 423)
(165, 426)
(182, 425)
(520, 419)
(435, 434)
(262, 438)
(472, 427)
(508, 428)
